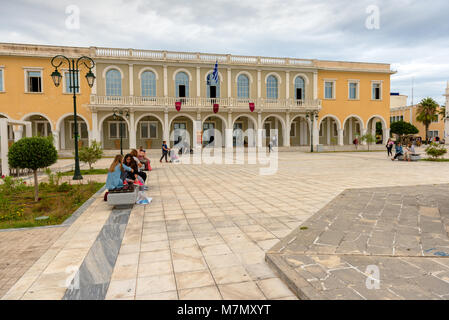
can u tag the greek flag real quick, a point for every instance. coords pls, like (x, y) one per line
(215, 73)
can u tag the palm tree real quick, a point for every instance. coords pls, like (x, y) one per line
(427, 110)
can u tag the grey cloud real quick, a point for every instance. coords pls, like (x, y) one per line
(413, 34)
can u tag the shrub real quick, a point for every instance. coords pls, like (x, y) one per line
(11, 185)
(64, 187)
(91, 154)
(436, 150)
(32, 153)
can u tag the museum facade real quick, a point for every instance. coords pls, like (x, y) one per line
(147, 96)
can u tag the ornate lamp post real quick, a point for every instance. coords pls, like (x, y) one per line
(120, 113)
(74, 85)
(313, 115)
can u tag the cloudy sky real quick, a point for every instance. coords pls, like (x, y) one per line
(412, 35)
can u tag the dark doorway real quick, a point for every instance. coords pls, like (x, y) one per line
(213, 91)
(299, 95)
(182, 91)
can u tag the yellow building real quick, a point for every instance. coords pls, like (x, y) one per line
(349, 98)
(400, 111)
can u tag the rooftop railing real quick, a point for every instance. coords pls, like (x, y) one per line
(197, 57)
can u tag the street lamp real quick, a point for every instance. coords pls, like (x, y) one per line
(74, 65)
(314, 117)
(120, 113)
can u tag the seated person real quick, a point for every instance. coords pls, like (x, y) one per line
(113, 180)
(133, 176)
(399, 152)
(143, 159)
(410, 150)
(139, 165)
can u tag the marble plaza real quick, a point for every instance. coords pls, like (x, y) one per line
(206, 233)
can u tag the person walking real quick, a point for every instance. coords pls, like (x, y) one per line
(389, 146)
(165, 150)
(356, 143)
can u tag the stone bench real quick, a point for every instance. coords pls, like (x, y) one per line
(124, 198)
(414, 157)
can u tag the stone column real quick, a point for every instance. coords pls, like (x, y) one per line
(4, 145)
(166, 132)
(131, 79)
(287, 130)
(316, 132)
(315, 85)
(229, 131)
(62, 135)
(340, 137)
(302, 137)
(229, 83)
(29, 130)
(259, 84)
(287, 85)
(56, 139)
(386, 134)
(198, 82)
(95, 132)
(363, 132)
(329, 129)
(259, 130)
(132, 131)
(18, 133)
(350, 131)
(165, 82)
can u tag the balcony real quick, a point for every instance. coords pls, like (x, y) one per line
(157, 103)
(160, 103)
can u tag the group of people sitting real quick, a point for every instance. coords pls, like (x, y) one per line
(128, 170)
(407, 153)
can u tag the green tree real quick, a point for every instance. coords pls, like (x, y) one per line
(402, 128)
(426, 112)
(369, 138)
(91, 154)
(33, 153)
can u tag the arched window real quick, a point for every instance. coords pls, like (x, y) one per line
(242, 87)
(272, 87)
(213, 88)
(182, 85)
(300, 89)
(148, 83)
(113, 83)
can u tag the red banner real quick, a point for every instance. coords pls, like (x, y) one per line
(178, 105)
(216, 106)
(251, 106)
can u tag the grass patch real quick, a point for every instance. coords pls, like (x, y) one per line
(86, 172)
(435, 160)
(350, 151)
(19, 210)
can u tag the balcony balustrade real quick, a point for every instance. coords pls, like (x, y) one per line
(200, 102)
